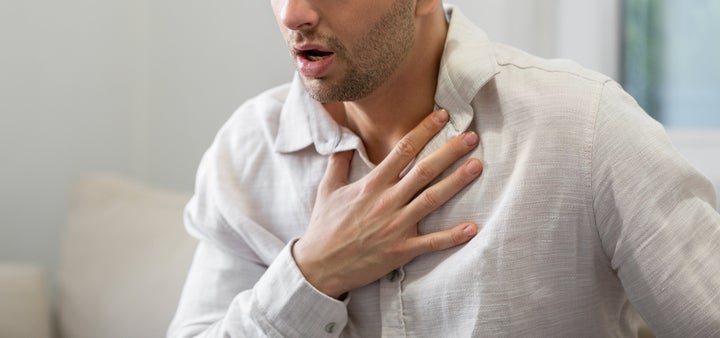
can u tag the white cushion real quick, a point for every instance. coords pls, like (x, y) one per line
(24, 304)
(124, 259)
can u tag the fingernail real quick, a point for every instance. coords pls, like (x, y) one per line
(470, 139)
(469, 230)
(440, 116)
(473, 167)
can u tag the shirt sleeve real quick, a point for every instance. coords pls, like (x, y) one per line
(656, 218)
(243, 281)
(280, 304)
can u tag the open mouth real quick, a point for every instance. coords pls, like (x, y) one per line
(315, 54)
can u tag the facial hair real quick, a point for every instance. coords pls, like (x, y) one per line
(370, 62)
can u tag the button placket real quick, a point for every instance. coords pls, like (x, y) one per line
(391, 307)
(393, 276)
(330, 327)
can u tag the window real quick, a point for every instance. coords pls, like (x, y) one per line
(671, 60)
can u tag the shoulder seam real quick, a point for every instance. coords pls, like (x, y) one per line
(602, 79)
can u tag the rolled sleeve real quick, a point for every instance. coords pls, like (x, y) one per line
(292, 307)
(280, 304)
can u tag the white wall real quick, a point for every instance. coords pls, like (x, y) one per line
(134, 87)
(66, 73)
(140, 87)
(587, 31)
(203, 60)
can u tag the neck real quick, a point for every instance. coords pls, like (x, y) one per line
(406, 98)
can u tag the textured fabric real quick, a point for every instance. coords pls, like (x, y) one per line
(123, 260)
(701, 147)
(584, 208)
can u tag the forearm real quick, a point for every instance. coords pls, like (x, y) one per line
(279, 304)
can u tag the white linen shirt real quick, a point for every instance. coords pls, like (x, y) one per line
(584, 208)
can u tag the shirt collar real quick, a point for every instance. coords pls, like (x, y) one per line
(468, 62)
(304, 121)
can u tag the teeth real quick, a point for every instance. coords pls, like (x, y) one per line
(316, 57)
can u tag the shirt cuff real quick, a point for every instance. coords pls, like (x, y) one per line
(293, 307)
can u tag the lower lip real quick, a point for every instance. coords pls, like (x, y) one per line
(318, 68)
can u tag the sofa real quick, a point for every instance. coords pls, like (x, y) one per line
(123, 261)
(125, 256)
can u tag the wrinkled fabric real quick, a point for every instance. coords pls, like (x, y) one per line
(587, 214)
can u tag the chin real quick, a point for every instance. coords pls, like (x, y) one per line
(320, 90)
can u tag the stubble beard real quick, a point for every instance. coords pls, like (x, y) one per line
(372, 61)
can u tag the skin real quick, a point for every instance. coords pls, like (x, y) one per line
(366, 63)
(361, 231)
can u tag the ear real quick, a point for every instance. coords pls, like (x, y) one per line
(426, 7)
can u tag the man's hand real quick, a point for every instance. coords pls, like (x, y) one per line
(361, 231)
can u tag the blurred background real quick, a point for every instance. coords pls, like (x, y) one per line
(140, 87)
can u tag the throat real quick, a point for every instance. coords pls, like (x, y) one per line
(379, 133)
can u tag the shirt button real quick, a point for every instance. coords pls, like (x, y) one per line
(330, 327)
(393, 276)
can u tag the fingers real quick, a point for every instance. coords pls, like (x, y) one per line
(336, 174)
(442, 240)
(434, 164)
(410, 145)
(439, 193)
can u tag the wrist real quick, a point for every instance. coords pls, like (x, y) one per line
(316, 273)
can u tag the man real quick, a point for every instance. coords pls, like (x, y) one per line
(540, 200)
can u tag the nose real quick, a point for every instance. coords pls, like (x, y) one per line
(298, 14)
